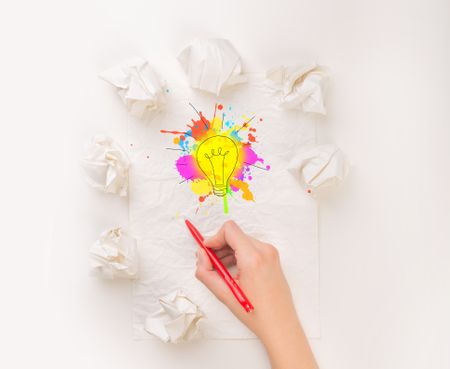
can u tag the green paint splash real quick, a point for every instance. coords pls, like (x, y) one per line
(225, 204)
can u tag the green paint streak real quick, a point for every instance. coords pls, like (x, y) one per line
(225, 204)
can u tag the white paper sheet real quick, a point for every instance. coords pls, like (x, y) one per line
(282, 213)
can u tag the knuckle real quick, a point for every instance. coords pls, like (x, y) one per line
(199, 274)
(272, 252)
(229, 224)
(256, 261)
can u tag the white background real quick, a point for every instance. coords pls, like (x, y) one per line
(385, 243)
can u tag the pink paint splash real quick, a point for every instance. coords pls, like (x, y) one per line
(187, 167)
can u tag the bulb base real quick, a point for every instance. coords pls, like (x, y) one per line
(220, 190)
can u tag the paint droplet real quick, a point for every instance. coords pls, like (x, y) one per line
(268, 167)
(250, 178)
(260, 119)
(131, 145)
(220, 106)
(167, 90)
(148, 157)
(308, 190)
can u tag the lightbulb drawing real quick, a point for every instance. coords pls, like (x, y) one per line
(217, 157)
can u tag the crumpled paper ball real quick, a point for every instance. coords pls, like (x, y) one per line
(106, 166)
(177, 321)
(211, 65)
(137, 85)
(320, 167)
(115, 255)
(300, 87)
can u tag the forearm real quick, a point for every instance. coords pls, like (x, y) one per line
(288, 348)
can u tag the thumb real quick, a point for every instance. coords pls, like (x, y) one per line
(206, 274)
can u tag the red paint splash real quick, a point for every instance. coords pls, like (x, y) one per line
(251, 138)
(173, 132)
(200, 127)
(220, 106)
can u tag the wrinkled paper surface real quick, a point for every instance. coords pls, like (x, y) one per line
(177, 321)
(282, 213)
(106, 166)
(137, 85)
(114, 255)
(211, 65)
(300, 87)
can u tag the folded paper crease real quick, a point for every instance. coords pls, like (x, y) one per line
(106, 166)
(299, 87)
(320, 167)
(176, 321)
(114, 255)
(138, 86)
(211, 65)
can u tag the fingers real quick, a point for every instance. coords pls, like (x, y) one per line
(228, 260)
(206, 274)
(224, 251)
(203, 261)
(230, 234)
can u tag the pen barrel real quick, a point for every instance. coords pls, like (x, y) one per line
(220, 268)
(229, 280)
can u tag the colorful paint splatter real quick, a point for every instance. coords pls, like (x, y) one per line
(217, 156)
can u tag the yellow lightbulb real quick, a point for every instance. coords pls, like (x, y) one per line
(217, 157)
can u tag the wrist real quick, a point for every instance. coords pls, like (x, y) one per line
(288, 348)
(282, 334)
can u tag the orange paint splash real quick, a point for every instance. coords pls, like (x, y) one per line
(246, 193)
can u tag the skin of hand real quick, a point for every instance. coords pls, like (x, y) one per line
(260, 276)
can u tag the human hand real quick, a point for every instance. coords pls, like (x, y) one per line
(260, 276)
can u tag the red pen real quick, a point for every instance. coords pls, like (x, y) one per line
(223, 272)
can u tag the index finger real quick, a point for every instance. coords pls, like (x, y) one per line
(230, 234)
